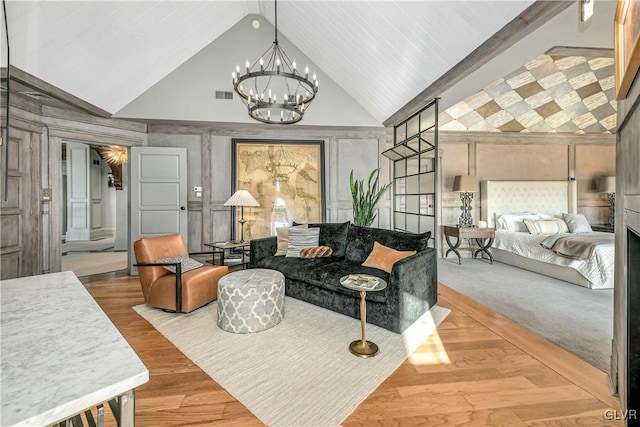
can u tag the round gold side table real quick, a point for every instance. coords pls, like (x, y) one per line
(359, 282)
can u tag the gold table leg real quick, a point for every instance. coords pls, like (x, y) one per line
(362, 347)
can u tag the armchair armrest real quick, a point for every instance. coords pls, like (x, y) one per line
(178, 266)
(416, 276)
(262, 248)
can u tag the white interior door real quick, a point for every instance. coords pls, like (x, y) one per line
(158, 204)
(78, 192)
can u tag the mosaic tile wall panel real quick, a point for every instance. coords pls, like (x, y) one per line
(568, 94)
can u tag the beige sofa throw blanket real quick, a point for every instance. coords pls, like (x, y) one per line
(576, 246)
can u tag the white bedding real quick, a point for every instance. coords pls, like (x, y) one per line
(598, 270)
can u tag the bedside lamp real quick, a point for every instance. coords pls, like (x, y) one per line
(607, 184)
(242, 198)
(466, 185)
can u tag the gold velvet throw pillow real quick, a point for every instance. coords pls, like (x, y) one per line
(383, 258)
(316, 252)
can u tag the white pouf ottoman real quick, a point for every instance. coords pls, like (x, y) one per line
(250, 300)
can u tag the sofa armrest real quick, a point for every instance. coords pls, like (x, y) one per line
(415, 276)
(262, 248)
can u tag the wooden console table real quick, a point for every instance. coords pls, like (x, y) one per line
(484, 238)
(62, 356)
(603, 227)
(229, 260)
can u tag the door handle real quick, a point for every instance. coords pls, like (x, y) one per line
(182, 208)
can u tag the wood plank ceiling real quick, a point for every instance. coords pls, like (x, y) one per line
(381, 52)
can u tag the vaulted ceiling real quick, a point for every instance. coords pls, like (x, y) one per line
(381, 53)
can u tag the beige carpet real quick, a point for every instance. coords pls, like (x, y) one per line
(300, 372)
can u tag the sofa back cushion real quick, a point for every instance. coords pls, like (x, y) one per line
(360, 241)
(334, 235)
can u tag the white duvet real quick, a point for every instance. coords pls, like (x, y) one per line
(598, 270)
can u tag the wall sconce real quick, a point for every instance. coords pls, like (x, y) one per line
(466, 185)
(607, 184)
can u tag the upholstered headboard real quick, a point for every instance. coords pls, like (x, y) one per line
(504, 197)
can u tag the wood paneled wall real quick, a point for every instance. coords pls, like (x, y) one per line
(506, 156)
(532, 156)
(627, 184)
(209, 157)
(39, 132)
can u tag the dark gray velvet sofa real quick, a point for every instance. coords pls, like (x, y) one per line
(411, 285)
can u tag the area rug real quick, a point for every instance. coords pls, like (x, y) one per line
(300, 372)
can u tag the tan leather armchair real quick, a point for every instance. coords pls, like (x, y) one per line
(180, 292)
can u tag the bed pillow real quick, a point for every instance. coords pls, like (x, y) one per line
(282, 238)
(546, 226)
(514, 222)
(577, 223)
(186, 263)
(550, 216)
(300, 238)
(383, 258)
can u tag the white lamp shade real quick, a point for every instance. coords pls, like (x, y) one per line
(241, 198)
(607, 184)
(466, 184)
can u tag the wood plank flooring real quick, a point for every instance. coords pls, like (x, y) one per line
(478, 369)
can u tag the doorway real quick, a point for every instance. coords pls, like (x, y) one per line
(94, 210)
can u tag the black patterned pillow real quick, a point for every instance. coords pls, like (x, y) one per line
(186, 263)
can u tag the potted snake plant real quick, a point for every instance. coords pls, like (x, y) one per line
(365, 198)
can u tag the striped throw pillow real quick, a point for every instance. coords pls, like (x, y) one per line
(300, 238)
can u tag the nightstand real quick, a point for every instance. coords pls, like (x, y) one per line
(484, 238)
(603, 227)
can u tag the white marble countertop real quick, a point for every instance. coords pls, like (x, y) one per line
(59, 352)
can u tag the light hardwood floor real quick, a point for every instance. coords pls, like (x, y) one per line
(478, 369)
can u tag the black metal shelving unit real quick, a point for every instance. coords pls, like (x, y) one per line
(415, 166)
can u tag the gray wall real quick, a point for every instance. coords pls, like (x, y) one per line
(209, 159)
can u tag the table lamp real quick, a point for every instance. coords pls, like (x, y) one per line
(466, 185)
(242, 198)
(607, 184)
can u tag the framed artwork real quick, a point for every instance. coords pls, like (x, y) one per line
(287, 180)
(627, 45)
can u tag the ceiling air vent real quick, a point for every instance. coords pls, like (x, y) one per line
(224, 95)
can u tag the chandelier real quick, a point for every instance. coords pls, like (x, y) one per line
(115, 155)
(271, 76)
(280, 166)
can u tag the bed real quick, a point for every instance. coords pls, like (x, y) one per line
(541, 199)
